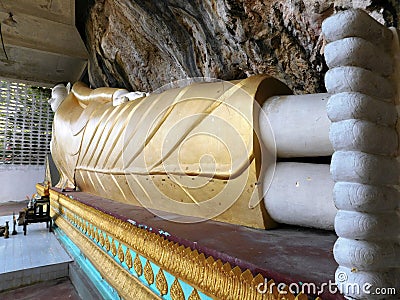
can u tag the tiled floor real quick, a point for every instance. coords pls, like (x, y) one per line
(27, 259)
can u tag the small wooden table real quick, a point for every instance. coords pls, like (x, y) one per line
(40, 212)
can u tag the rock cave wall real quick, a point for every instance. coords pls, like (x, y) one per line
(143, 45)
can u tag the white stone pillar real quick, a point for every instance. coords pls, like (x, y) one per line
(363, 133)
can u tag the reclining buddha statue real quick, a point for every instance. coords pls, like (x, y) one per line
(187, 154)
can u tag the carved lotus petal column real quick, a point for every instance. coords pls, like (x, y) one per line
(362, 108)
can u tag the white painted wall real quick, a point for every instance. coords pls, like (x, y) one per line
(18, 181)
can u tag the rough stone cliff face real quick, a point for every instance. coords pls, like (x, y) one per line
(143, 45)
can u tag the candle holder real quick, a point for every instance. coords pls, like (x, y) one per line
(14, 232)
(6, 232)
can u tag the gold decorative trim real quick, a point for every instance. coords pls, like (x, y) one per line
(128, 258)
(91, 231)
(42, 190)
(137, 265)
(194, 295)
(113, 248)
(211, 277)
(121, 255)
(101, 241)
(148, 273)
(107, 243)
(176, 291)
(161, 283)
(126, 284)
(96, 235)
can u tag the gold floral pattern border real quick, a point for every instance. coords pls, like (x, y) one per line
(212, 277)
(114, 248)
(126, 285)
(41, 190)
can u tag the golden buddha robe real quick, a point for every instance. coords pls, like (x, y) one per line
(189, 151)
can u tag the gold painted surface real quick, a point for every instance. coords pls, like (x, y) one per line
(128, 286)
(176, 291)
(42, 190)
(161, 283)
(96, 235)
(85, 95)
(137, 265)
(214, 278)
(101, 241)
(107, 243)
(128, 259)
(113, 248)
(148, 273)
(155, 151)
(121, 255)
(194, 295)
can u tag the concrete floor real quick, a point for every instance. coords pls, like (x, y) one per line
(58, 289)
(38, 254)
